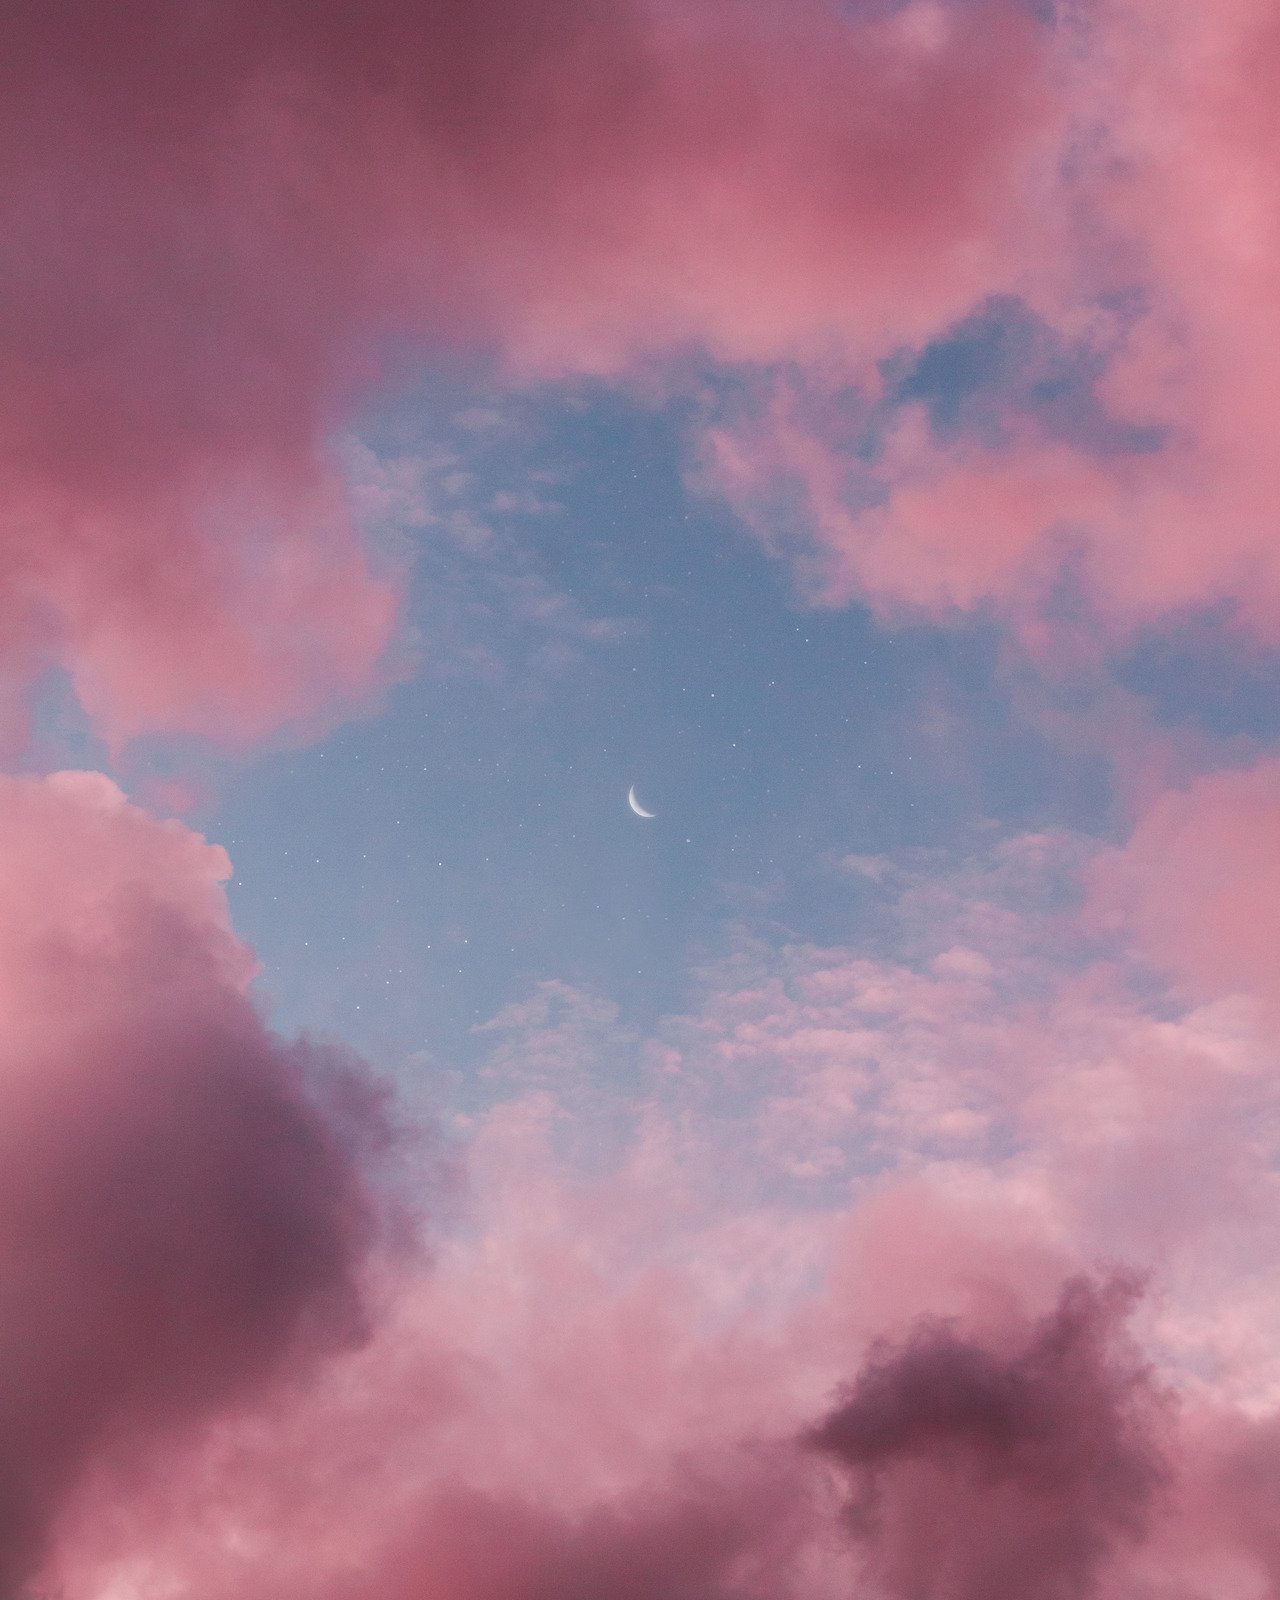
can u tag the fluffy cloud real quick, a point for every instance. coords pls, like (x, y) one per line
(216, 217)
(177, 1213)
(981, 1472)
(1149, 479)
(1194, 887)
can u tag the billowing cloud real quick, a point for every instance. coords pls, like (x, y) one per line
(177, 1212)
(1127, 442)
(216, 218)
(992, 1473)
(635, 1378)
(615, 1373)
(1194, 887)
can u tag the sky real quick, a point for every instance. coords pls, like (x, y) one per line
(848, 428)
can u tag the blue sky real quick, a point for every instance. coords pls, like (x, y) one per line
(415, 871)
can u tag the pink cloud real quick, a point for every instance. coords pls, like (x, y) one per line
(607, 1373)
(940, 527)
(177, 1214)
(214, 218)
(606, 1379)
(1006, 1472)
(1195, 886)
(1174, 206)
(929, 527)
(541, 1416)
(1021, 1089)
(214, 221)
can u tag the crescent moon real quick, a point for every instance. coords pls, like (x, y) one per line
(635, 804)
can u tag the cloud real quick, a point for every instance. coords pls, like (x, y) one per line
(608, 1374)
(717, 1540)
(178, 1213)
(981, 1472)
(1110, 425)
(217, 218)
(1194, 887)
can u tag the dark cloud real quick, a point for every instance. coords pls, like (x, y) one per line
(1001, 1471)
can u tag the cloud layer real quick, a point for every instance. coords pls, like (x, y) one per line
(220, 220)
(837, 1322)
(216, 218)
(177, 1213)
